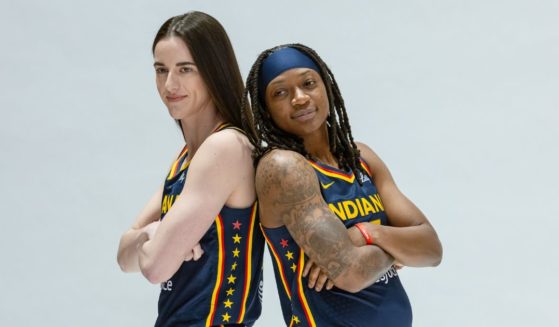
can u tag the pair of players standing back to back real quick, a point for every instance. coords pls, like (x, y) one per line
(335, 222)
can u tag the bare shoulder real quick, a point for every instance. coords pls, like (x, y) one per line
(228, 141)
(224, 159)
(285, 176)
(223, 166)
(233, 135)
(367, 153)
(374, 162)
(227, 146)
(282, 161)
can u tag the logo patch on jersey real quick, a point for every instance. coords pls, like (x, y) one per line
(183, 175)
(326, 186)
(364, 178)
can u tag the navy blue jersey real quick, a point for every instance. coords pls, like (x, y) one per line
(384, 304)
(224, 286)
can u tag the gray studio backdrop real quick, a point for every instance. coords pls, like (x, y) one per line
(459, 98)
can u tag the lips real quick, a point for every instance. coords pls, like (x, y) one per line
(175, 98)
(304, 114)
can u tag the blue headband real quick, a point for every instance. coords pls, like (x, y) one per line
(279, 61)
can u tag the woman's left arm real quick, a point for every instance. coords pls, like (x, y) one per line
(409, 237)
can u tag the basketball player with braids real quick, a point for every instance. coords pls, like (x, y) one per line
(329, 207)
(206, 208)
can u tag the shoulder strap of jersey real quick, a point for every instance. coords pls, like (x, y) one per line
(226, 125)
(365, 167)
(179, 163)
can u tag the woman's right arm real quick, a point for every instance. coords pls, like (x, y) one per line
(289, 194)
(143, 228)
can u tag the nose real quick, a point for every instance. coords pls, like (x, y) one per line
(171, 84)
(299, 97)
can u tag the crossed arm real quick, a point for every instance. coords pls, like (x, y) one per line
(409, 237)
(289, 194)
(143, 228)
(220, 174)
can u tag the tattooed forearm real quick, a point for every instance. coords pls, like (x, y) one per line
(323, 238)
(375, 263)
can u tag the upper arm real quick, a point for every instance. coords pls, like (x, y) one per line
(289, 194)
(400, 210)
(220, 167)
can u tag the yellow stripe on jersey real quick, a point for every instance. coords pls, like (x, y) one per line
(278, 262)
(174, 166)
(301, 291)
(348, 177)
(248, 265)
(366, 167)
(219, 278)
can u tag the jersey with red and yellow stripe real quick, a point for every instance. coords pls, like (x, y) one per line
(385, 303)
(224, 287)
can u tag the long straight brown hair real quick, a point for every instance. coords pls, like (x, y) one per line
(214, 57)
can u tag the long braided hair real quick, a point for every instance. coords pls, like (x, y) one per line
(265, 135)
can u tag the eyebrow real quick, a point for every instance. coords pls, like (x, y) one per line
(182, 63)
(299, 75)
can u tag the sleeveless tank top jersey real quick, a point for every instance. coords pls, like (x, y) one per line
(384, 304)
(224, 287)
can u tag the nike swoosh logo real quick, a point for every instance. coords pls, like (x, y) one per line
(326, 186)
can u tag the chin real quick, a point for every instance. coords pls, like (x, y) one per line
(175, 114)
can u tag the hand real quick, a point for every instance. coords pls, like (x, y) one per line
(195, 253)
(398, 265)
(151, 228)
(317, 278)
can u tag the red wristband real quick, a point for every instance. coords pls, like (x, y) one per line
(366, 235)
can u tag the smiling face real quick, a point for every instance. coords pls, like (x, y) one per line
(178, 80)
(298, 102)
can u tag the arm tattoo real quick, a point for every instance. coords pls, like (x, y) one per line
(282, 182)
(324, 239)
(288, 188)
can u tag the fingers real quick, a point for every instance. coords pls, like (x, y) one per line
(398, 265)
(197, 252)
(313, 276)
(329, 285)
(322, 279)
(308, 265)
(317, 279)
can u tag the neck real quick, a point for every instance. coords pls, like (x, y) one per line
(318, 146)
(197, 129)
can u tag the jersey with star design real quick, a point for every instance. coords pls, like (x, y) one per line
(221, 288)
